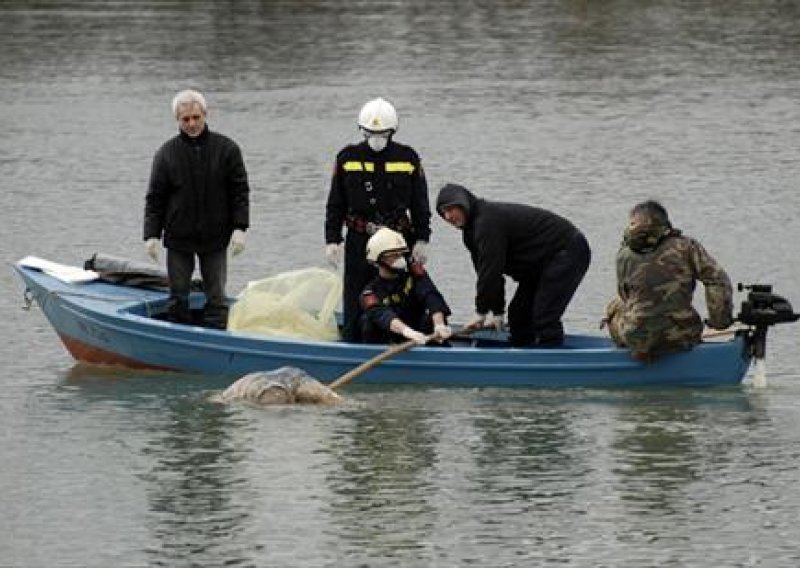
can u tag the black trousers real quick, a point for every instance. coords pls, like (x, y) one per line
(535, 311)
(213, 271)
(358, 272)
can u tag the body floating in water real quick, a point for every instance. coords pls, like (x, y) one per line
(286, 385)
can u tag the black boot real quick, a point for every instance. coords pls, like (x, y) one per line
(552, 336)
(178, 310)
(215, 317)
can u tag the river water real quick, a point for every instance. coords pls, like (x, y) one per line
(580, 107)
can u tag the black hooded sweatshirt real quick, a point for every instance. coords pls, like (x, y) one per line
(505, 238)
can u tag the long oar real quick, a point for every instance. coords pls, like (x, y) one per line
(709, 333)
(393, 350)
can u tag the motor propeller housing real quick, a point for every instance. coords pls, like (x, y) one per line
(760, 310)
(762, 307)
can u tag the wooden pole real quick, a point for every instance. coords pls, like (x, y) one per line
(708, 332)
(393, 350)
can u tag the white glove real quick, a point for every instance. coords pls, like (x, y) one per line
(442, 331)
(333, 252)
(476, 322)
(485, 320)
(415, 336)
(151, 246)
(420, 252)
(495, 321)
(237, 242)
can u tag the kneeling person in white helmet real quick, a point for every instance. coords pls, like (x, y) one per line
(401, 301)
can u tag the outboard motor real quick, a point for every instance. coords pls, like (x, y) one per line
(760, 310)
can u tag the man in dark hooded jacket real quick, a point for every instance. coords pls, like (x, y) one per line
(545, 253)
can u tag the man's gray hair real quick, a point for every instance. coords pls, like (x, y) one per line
(186, 97)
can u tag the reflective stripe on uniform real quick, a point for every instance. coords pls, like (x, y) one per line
(358, 166)
(390, 167)
(398, 298)
(399, 167)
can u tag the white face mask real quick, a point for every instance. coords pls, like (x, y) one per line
(400, 264)
(377, 143)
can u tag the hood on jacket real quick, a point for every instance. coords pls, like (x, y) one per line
(454, 194)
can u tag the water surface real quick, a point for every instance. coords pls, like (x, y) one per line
(583, 108)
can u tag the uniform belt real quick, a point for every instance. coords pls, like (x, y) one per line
(361, 225)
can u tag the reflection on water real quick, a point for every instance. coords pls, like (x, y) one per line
(196, 489)
(471, 476)
(524, 454)
(671, 463)
(658, 456)
(517, 463)
(384, 462)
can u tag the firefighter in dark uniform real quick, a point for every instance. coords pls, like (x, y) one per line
(401, 301)
(376, 183)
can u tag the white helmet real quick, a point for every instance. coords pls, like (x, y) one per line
(383, 241)
(378, 115)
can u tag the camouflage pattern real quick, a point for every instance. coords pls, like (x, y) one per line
(653, 313)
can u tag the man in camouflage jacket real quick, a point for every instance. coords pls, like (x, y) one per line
(657, 271)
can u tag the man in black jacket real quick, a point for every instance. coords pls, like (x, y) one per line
(198, 201)
(542, 251)
(377, 183)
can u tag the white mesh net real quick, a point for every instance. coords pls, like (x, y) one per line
(301, 304)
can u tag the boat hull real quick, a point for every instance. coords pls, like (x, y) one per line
(110, 324)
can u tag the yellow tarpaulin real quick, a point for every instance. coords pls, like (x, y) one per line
(301, 304)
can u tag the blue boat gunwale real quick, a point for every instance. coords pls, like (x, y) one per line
(128, 305)
(126, 310)
(243, 340)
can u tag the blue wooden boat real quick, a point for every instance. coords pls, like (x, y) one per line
(114, 324)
